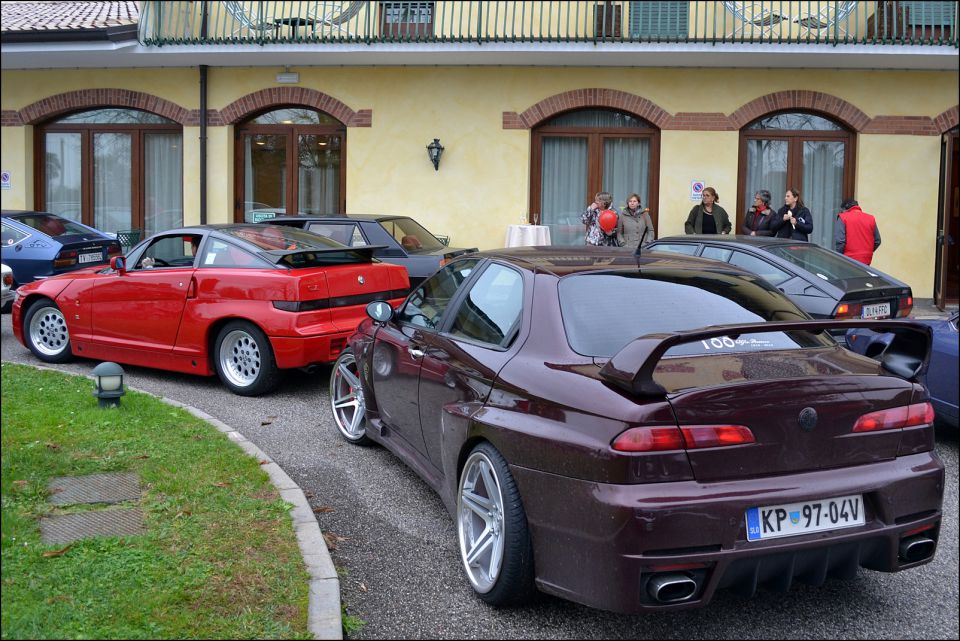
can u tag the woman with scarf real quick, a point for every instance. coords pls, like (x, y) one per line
(759, 218)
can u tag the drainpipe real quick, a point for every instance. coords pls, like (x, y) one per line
(203, 144)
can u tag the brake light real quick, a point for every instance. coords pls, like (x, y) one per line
(848, 310)
(114, 249)
(904, 306)
(698, 436)
(896, 418)
(8, 280)
(66, 258)
(689, 437)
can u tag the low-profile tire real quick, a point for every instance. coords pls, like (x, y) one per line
(492, 532)
(45, 332)
(244, 359)
(347, 401)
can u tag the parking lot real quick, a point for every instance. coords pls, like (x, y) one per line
(401, 572)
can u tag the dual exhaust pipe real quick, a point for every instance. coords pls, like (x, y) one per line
(916, 548)
(671, 587)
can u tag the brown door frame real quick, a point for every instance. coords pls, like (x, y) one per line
(595, 137)
(795, 140)
(942, 269)
(292, 132)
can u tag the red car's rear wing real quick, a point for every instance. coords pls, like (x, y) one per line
(632, 367)
(350, 254)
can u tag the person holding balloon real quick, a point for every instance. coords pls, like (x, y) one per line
(600, 222)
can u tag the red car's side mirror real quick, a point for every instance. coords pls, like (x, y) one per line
(119, 265)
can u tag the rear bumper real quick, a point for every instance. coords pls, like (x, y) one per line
(301, 352)
(599, 544)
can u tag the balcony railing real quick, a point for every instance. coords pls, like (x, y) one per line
(583, 21)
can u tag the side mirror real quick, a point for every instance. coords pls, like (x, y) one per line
(119, 265)
(380, 311)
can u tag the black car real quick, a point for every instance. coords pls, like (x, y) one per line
(407, 242)
(821, 282)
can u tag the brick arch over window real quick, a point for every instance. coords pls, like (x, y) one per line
(587, 99)
(51, 107)
(242, 108)
(948, 119)
(793, 100)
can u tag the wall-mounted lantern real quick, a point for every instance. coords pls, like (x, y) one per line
(434, 151)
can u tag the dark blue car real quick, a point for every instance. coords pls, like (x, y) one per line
(942, 374)
(38, 245)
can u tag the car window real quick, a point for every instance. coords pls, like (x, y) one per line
(223, 254)
(345, 234)
(825, 264)
(772, 274)
(411, 235)
(491, 310)
(426, 305)
(689, 250)
(170, 251)
(52, 225)
(603, 312)
(716, 253)
(12, 235)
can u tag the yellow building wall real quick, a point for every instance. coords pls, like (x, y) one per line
(483, 183)
(898, 178)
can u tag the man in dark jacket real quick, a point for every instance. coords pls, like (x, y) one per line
(856, 234)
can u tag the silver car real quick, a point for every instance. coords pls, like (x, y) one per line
(6, 302)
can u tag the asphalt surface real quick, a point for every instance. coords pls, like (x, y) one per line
(400, 571)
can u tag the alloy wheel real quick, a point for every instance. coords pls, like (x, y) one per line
(240, 358)
(48, 331)
(346, 398)
(480, 522)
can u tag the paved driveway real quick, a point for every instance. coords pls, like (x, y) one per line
(401, 568)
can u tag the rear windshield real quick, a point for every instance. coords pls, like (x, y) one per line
(411, 235)
(603, 312)
(305, 249)
(52, 225)
(823, 263)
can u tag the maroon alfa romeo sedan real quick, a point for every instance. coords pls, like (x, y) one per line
(636, 433)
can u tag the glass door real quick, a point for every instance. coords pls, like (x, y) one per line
(562, 185)
(766, 169)
(823, 166)
(63, 193)
(264, 176)
(112, 185)
(163, 182)
(318, 169)
(626, 169)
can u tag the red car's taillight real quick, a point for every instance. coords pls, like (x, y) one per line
(896, 418)
(904, 306)
(848, 310)
(689, 437)
(66, 258)
(8, 280)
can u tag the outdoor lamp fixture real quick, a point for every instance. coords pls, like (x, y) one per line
(434, 151)
(109, 384)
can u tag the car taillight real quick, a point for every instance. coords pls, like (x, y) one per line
(8, 280)
(114, 249)
(445, 260)
(65, 258)
(904, 306)
(848, 310)
(896, 418)
(688, 437)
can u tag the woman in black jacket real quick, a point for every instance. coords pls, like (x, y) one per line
(793, 220)
(759, 217)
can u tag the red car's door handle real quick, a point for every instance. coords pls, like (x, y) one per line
(414, 352)
(192, 288)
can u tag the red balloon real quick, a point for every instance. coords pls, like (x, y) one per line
(607, 221)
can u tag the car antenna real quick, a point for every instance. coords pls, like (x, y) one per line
(636, 252)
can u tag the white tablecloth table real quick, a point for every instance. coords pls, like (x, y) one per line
(527, 235)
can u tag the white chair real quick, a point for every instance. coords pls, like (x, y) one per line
(335, 15)
(247, 23)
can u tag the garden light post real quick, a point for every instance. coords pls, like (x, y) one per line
(109, 378)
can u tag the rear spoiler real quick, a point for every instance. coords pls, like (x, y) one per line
(276, 255)
(632, 367)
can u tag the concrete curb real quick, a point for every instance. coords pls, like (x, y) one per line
(323, 609)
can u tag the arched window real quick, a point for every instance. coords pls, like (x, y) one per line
(290, 161)
(113, 168)
(798, 150)
(579, 153)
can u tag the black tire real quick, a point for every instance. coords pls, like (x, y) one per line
(347, 400)
(7, 307)
(514, 584)
(45, 332)
(244, 359)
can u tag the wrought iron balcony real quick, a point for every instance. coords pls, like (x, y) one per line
(591, 21)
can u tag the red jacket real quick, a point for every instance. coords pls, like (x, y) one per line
(860, 235)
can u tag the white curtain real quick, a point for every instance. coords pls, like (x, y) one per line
(766, 169)
(163, 182)
(563, 180)
(63, 175)
(112, 190)
(319, 174)
(823, 186)
(626, 169)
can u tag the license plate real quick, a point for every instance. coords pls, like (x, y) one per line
(878, 310)
(793, 519)
(91, 257)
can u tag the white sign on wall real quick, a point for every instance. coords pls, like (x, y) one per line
(696, 189)
(5, 180)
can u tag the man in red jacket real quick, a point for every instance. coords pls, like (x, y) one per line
(856, 234)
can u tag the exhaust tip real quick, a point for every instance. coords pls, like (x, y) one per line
(916, 548)
(671, 588)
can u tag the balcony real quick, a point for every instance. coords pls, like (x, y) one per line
(592, 21)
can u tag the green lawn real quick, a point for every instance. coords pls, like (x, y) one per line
(219, 558)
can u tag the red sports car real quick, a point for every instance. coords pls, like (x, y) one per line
(241, 301)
